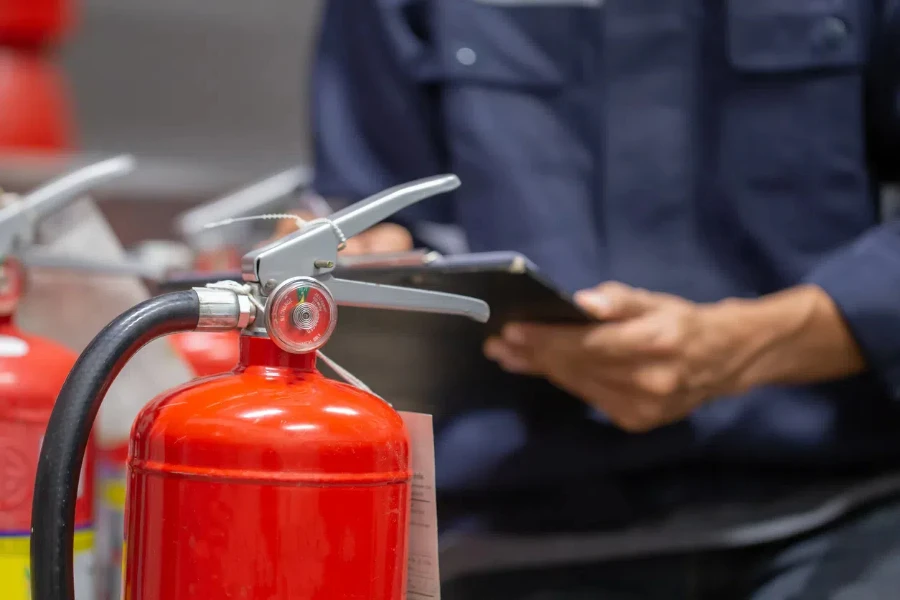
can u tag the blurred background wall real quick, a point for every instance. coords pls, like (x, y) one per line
(220, 83)
(209, 94)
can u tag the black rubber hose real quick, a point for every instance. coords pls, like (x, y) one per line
(56, 484)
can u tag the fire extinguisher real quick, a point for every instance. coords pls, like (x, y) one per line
(34, 105)
(35, 112)
(214, 352)
(206, 352)
(34, 23)
(32, 371)
(270, 482)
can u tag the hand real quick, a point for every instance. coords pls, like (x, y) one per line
(651, 361)
(655, 357)
(382, 238)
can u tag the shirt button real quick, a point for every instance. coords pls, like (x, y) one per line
(831, 33)
(466, 56)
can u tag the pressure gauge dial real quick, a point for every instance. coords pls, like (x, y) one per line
(300, 315)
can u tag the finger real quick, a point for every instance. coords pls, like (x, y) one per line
(510, 358)
(614, 300)
(612, 401)
(285, 226)
(633, 340)
(355, 246)
(546, 342)
(618, 404)
(388, 237)
(644, 338)
(383, 238)
(618, 399)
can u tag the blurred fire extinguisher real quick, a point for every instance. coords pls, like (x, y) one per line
(219, 248)
(32, 371)
(269, 482)
(35, 112)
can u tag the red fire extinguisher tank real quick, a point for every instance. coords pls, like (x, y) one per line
(32, 371)
(33, 23)
(272, 482)
(34, 106)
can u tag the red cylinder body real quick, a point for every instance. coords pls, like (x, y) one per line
(32, 372)
(271, 483)
(34, 106)
(34, 22)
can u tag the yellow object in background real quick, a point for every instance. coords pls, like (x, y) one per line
(15, 566)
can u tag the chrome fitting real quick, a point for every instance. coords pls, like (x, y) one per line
(224, 310)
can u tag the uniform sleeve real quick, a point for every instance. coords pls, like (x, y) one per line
(374, 110)
(863, 278)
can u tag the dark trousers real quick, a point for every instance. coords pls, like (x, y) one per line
(857, 558)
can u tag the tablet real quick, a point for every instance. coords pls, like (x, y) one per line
(510, 283)
(434, 363)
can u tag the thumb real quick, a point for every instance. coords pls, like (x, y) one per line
(615, 301)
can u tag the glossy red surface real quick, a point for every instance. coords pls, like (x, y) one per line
(208, 352)
(32, 371)
(33, 22)
(271, 483)
(34, 104)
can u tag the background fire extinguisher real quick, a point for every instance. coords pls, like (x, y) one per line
(33, 370)
(34, 105)
(219, 249)
(270, 482)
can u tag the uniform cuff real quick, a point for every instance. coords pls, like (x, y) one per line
(864, 282)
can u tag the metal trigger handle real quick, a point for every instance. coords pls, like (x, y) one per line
(311, 251)
(391, 297)
(19, 217)
(295, 272)
(358, 217)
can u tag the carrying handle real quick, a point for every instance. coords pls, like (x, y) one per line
(19, 218)
(312, 252)
(364, 214)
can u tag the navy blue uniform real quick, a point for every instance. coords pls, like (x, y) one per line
(709, 149)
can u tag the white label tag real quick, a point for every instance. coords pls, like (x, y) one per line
(423, 578)
(72, 307)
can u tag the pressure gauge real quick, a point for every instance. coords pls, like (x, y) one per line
(300, 315)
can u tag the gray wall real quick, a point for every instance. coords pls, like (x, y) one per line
(216, 82)
(208, 94)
